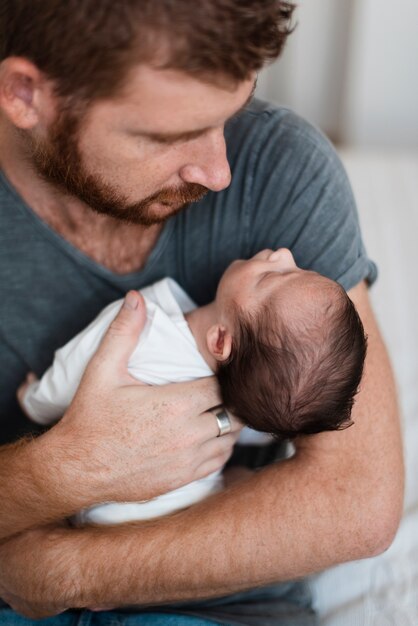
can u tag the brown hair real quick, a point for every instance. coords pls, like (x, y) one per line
(291, 381)
(88, 46)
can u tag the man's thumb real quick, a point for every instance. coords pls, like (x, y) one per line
(122, 335)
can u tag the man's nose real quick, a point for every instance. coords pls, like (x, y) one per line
(206, 162)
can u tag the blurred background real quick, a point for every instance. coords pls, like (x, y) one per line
(351, 67)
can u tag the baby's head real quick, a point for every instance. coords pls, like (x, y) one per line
(289, 344)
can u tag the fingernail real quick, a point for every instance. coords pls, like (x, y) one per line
(131, 300)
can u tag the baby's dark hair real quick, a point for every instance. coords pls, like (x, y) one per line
(297, 376)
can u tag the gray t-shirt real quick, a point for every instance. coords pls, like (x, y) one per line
(288, 190)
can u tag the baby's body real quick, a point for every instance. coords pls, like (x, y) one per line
(181, 342)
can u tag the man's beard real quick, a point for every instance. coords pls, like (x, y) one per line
(58, 161)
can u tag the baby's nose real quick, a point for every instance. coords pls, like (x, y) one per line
(263, 255)
(283, 257)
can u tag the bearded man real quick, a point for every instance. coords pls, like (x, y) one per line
(114, 117)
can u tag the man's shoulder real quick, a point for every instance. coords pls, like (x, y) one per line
(270, 122)
(266, 141)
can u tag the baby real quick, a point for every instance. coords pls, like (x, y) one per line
(286, 345)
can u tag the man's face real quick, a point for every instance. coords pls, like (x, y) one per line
(144, 154)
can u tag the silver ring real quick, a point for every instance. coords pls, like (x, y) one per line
(224, 423)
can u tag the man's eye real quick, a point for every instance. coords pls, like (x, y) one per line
(170, 141)
(165, 141)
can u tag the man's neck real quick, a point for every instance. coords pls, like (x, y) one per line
(199, 321)
(120, 246)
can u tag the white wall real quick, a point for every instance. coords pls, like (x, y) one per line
(309, 77)
(381, 97)
(351, 67)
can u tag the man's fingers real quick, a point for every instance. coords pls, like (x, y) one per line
(219, 446)
(122, 335)
(216, 453)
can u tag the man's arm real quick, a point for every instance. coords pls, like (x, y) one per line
(339, 498)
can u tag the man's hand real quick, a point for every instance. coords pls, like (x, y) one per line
(127, 441)
(120, 440)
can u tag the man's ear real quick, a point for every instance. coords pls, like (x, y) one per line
(22, 89)
(219, 342)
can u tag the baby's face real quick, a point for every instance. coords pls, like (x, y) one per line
(268, 275)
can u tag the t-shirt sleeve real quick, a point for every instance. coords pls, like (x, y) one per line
(301, 199)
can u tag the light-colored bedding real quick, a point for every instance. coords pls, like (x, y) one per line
(383, 591)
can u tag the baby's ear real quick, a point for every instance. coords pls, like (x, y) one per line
(219, 342)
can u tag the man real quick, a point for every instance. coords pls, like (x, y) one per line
(113, 116)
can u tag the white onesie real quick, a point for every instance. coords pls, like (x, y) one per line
(166, 352)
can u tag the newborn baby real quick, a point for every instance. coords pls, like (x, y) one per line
(286, 345)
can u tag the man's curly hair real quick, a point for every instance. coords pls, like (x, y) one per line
(88, 46)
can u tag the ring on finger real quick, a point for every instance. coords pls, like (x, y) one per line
(223, 421)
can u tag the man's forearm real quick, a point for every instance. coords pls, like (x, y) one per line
(33, 487)
(258, 532)
(21, 505)
(279, 525)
